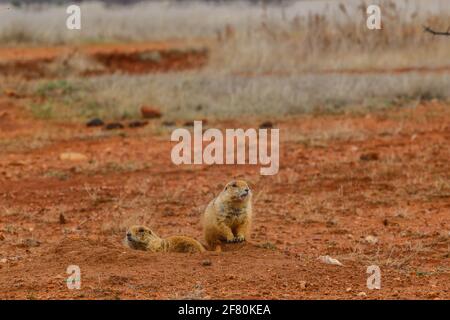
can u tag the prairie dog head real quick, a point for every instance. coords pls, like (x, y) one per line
(142, 238)
(237, 191)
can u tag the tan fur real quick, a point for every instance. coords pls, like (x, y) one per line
(143, 238)
(227, 218)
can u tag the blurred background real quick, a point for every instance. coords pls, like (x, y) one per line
(255, 57)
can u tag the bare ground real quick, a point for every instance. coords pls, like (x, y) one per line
(325, 200)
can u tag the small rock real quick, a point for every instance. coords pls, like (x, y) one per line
(330, 260)
(348, 289)
(137, 124)
(62, 219)
(371, 239)
(3, 260)
(96, 122)
(303, 285)
(206, 263)
(371, 156)
(168, 123)
(362, 294)
(266, 125)
(114, 126)
(150, 113)
(72, 156)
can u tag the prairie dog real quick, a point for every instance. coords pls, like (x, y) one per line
(143, 238)
(227, 218)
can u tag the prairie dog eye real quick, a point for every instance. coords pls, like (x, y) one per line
(234, 185)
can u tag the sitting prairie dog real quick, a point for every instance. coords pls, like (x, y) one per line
(143, 238)
(227, 218)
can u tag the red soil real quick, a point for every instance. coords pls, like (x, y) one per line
(324, 201)
(138, 58)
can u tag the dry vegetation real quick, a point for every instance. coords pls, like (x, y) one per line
(294, 37)
(194, 95)
(296, 58)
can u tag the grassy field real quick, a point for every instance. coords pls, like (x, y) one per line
(195, 95)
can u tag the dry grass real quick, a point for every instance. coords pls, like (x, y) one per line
(266, 61)
(302, 35)
(339, 39)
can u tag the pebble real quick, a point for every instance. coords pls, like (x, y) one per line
(114, 125)
(330, 260)
(96, 122)
(371, 156)
(72, 156)
(150, 112)
(362, 294)
(206, 263)
(371, 239)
